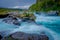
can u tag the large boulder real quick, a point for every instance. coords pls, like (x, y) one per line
(21, 36)
(26, 36)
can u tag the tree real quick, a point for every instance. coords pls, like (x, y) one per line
(46, 5)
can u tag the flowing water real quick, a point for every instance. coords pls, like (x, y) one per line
(48, 24)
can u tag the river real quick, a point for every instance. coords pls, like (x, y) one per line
(48, 24)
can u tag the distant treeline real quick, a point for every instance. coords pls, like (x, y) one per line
(5, 10)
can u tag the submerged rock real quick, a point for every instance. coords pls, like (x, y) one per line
(16, 23)
(52, 13)
(27, 17)
(11, 20)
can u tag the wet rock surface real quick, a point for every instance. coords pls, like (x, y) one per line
(1, 37)
(11, 20)
(43, 36)
(52, 13)
(3, 16)
(26, 36)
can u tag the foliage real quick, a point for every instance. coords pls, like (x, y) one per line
(46, 5)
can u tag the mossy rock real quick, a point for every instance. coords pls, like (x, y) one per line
(30, 16)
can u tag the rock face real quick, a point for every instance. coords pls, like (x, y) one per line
(3, 16)
(0, 37)
(26, 36)
(11, 20)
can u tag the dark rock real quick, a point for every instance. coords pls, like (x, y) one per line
(33, 37)
(1, 37)
(16, 23)
(24, 36)
(52, 13)
(43, 36)
(25, 19)
(20, 36)
(4, 16)
(15, 18)
(11, 20)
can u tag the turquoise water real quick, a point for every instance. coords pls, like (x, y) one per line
(48, 24)
(5, 26)
(51, 22)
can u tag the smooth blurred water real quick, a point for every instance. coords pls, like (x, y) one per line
(48, 24)
(5, 26)
(51, 22)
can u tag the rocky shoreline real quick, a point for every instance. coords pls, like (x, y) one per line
(3, 16)
(11, 20)
(16, 19)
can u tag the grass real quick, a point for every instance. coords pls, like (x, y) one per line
(6, 10)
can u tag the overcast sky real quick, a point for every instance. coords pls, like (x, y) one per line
(24, 4)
